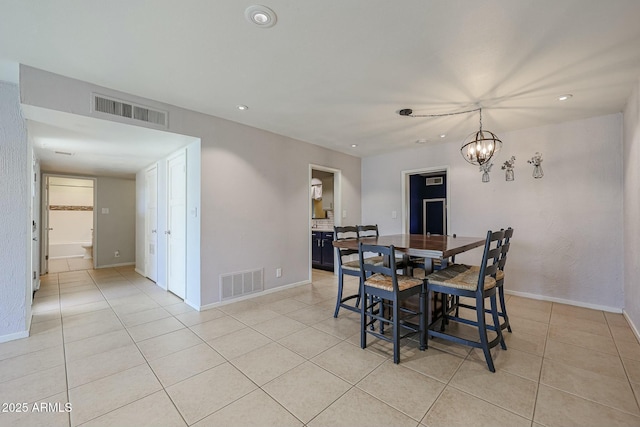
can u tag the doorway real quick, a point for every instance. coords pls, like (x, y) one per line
(425, 202)
(325, 194)
(68, 223)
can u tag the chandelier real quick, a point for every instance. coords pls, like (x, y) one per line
(477, 148)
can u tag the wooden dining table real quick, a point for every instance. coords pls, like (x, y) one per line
(434, 246)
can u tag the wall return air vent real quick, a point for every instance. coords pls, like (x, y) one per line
(436, 180)
(116, 107)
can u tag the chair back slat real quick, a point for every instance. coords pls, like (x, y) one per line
(490, 257)
(348, 232)
(367, 269)
(368, 231)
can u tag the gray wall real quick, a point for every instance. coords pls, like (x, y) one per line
(632, 207)
(567, 244)
(254, 193)
(15, 234)
(115, 230)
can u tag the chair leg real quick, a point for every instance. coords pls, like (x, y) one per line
(396, 332)
(422, 325)
(482, 329)
(339, 300)
(363, 319)
(496, 321)
(504, 308)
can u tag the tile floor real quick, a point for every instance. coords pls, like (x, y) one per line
(123, 352)
(69, 264)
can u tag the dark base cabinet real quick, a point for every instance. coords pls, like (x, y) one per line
(322, 250)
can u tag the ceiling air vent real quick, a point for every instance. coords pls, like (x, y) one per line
(436, 180)
(129, 110)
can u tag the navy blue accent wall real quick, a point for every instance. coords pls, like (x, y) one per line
(418, 190)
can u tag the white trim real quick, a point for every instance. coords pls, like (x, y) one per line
(122, 264)
(565, 301)
(632, 325)
(250, 296)
(14, 336)
(406, 198)
(137, 270)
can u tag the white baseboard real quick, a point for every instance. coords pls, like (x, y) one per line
(14, 336)
(564, 301)
(632, 325)
(140, 272)
(123, 264)
(251, 296)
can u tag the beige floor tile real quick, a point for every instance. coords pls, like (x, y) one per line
(84, 308)
(511, 392)
(555, 408)
(529, 313)
(349, 362)
(80, 297)
(279, 327)
(256, 409)
(37, 341)
(529, 327)
(146, 316)
(239, 307)
(217, 327)
(579, 312)
(520, 302)
(616, 319)
(533, 344)
(99, 397)
(46, 316)
(179, 308)
(633, 370)
(310, 315)
(96, 344)
(514, 361)
(151, 411)
(30, 363)
(42, 417)
(455, 408)
(309, 342)
(35, 386)
(449, 347)
(594, 361)
(623, 333)
(582, 325)
(53, 325)
(202, 395)
(357, 408)
(613, 392)
(286, 305)
(104, 364)
(255, 316)
(402, 389)
(185, 363)
(266, 363)
(238, 343)
(163, 345)
(434, 363)
(291, 390)
(583, 339)
(132, 304)
(342, 327)
(194, 317)
(628, 350)
(82, 330)
(45, 304)
(155, 328)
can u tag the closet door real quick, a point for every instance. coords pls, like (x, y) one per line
(151, 224)
(177, 224)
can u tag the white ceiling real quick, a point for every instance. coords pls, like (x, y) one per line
(336, 73)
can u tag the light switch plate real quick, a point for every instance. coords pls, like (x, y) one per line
(105, 210)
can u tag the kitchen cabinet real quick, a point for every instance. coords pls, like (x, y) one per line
(322, 250)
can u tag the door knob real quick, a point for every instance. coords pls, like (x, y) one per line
(153, 231)
(35, 239)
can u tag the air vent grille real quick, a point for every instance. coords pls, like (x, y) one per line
(436, 180)
(233, 285)
(128, 110)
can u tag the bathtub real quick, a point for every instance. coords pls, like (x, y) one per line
(67, 250)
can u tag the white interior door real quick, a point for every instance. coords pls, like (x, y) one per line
(45, 226)
(151, 224)
(176, 221)
(35, 230)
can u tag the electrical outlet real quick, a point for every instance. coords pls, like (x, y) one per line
(278, 272)
(116, 254)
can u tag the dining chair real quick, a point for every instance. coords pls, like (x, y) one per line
(383, 289)
(502, 260)
(402, 260)
(459, 280)
(349, 267)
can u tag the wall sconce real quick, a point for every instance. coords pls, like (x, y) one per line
(507, 167)
(536, 161)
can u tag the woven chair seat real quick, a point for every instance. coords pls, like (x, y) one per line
(476, 269)
(460, 276)
(384, 282)
(355, 265)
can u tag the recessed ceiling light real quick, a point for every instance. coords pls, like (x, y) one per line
(242, 107)
(442, 135)
(261, 16)
(565, 97)
(422, 141)
(354, 145)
